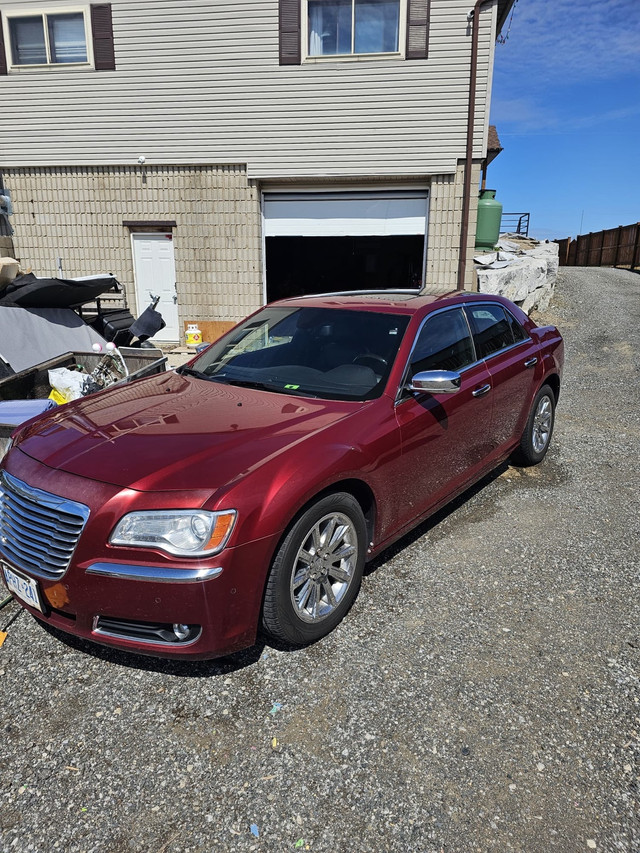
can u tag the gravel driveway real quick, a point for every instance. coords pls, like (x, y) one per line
(483, 693)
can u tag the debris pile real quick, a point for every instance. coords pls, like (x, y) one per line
(521, 269)
(68, 385)
(59, 343)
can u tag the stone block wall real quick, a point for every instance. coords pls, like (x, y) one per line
(76, 214)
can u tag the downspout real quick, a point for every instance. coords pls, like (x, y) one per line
(474, 17)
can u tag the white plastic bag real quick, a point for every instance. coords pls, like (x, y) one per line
(67, 384)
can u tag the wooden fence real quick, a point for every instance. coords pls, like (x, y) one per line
(616, 247)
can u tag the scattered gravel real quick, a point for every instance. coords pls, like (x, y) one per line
(483, 693)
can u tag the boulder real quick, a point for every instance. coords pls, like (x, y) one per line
(528, 280)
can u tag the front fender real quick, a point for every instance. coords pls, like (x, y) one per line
(358, 448)
(268, 502)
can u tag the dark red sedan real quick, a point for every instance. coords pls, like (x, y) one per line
(176, 515)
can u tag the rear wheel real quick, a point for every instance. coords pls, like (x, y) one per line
(537, 433)
(317, 570)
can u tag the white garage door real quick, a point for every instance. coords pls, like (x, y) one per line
(355, 214)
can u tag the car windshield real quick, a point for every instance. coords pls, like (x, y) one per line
(330, 353)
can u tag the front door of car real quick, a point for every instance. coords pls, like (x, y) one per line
(444, 436)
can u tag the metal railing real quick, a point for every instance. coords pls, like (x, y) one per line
(515, 223)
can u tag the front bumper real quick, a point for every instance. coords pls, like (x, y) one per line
(130, 599)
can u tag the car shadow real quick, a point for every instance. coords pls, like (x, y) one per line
(433, 520)
(179, 668)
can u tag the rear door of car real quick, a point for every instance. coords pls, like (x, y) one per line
(511, 357)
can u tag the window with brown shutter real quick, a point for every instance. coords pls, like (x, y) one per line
(51, 38)
(418, 29)
(343, 28)
(102, 31)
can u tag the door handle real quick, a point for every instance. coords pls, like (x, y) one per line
(531, 362)
(481, 391)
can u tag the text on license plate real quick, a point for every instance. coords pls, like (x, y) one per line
(25, 588)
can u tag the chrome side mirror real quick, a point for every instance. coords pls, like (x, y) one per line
(435, 382)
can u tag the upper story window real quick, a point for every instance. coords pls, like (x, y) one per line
(344, 29)
(353, 26)
(44, 39)
(49, 38)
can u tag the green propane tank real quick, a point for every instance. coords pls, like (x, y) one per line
(489, 216)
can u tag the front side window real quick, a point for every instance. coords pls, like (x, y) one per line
(343, 27)
(48, 39)
(444, 343)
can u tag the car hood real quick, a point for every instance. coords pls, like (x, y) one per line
(175, 432)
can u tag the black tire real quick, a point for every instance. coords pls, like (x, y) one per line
(310, 589)
(539, 429)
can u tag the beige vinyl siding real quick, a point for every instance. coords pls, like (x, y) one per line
(76, 214)
(199, 82)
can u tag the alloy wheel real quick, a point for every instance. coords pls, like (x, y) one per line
(542, 423)
(324, 567)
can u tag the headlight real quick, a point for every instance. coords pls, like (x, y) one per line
(183, 532)
(5, 446)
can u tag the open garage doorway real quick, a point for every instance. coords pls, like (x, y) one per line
(319, 242)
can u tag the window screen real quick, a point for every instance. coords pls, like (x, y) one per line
(67, 38)
(27, 41)
(65, 42)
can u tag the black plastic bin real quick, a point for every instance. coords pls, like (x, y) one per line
(114, 324)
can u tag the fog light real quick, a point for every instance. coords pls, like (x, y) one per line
(181, 631)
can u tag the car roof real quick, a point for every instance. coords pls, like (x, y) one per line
(396, 301)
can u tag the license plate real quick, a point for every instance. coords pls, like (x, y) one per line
(25, 588)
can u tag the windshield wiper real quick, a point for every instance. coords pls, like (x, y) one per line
(185, 370)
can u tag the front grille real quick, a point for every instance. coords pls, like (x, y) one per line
(38, 531)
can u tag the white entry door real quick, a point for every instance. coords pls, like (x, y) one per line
(155, 272)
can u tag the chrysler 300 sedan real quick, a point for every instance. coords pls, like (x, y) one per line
(180, 514)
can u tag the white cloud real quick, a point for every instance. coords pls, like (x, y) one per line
(554, 42)
(531, 117)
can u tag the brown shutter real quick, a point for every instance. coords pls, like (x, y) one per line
(418, 29)
(3, 55)
(102, 30)
(289, 31)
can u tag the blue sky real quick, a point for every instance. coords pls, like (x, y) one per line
(566, 103)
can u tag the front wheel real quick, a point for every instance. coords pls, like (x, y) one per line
(537, 433)
(316, 573)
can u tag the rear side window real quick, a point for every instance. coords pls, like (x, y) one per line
(444, 343)
(492, 328)
(519, 334)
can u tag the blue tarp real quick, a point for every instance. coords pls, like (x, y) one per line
(16, 412)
